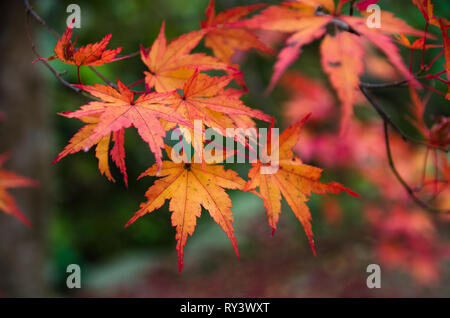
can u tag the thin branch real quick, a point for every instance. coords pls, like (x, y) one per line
(352, 4)
(418, 76)
(102, 77)
(385, 85)
(386, 118)
(29, 10)
(434, 60)
(422, 64)
(405, 185)
(381, 112)
(47, 65)
(137, 83)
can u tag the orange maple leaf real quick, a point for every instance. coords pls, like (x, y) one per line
(91, 54)
(418, 44)
(189, 187)
(223, 38)
(293, 179)
(10, 180)
(170, 65)
(119, 110)
(382, 40)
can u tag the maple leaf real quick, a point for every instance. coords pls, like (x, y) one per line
(10, 180)
(305, 21)
(119, 110)
(205, 98)
(189, 187)
(223, 38)
(304, 25)
(170, 65)
(91, 54)
(293, 180)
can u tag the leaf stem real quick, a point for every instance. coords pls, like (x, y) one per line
(422, 64)
(352, 4)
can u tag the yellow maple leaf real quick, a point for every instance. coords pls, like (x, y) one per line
(293, 180)
(189, 186)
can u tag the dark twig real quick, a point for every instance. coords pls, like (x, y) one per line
(386, 118)
(401, 83)
(381, 112)
(29, 10)
(352, 5)
(405, 185)
(385, 85)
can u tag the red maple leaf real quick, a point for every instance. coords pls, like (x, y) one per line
(91, 54)
(9, 180)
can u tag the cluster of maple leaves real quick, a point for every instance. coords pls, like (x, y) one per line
(179, 92)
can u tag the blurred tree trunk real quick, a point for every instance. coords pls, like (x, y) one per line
(25, 136)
